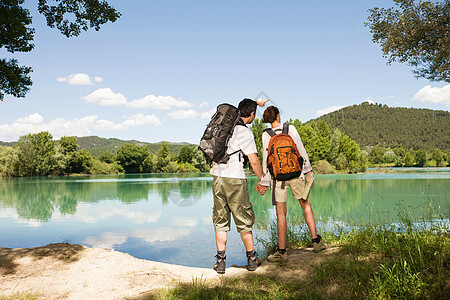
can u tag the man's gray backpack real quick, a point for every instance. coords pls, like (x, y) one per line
(214, 142)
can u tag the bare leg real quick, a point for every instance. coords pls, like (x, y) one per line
(281, 224)
(221, 240)
(247, 239)
(309, 216)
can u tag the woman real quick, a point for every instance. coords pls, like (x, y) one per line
(272, 115)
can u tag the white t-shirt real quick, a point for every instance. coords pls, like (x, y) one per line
(242, 139)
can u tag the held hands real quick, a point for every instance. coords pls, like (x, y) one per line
(261, 189)
(261, 102)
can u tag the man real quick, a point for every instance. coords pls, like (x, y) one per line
(230, 190)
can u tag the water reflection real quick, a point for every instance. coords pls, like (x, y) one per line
(39, 198)
(160, 217)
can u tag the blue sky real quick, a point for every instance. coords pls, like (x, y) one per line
(160, 70)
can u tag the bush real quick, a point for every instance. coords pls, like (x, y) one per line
(324, 167)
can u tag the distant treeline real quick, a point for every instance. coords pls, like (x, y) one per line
(329, 151)
(39, 155)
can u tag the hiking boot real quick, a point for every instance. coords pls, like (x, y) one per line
(278, 257)
(253, 261)
(318, 244)
(220, 264)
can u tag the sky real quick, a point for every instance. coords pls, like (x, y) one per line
(159, 72)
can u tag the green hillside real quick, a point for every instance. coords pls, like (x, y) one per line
(380, 125)
(97, 145)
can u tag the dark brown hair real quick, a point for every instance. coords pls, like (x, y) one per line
(246, 107)
(270, 114)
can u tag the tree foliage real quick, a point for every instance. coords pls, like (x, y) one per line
(70, 17)
(416, 33)
(380, 125)
(35, 154)
(131, 157)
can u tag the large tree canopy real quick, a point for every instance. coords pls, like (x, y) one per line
(70, 17)
(416, 33)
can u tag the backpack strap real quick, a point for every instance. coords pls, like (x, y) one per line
(241, 154)
(286, 128)
(270, 131)
(283, 183)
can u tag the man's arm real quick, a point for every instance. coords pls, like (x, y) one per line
(257, 169)
(256, 165)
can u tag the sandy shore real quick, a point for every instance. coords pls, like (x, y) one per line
(65, 271)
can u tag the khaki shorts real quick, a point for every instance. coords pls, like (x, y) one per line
(231, 197)
(297, 186)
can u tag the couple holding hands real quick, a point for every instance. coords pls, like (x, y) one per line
(230, 189)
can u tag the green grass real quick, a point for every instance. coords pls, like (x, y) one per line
(21, 296)
(252, 287)
(405, 261)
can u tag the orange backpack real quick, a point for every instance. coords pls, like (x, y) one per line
(283, 159)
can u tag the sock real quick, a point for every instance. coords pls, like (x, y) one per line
(221, 254)
(251, 253)
(282, 251)
(317, 239)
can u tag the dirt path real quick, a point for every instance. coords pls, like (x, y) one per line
(64, 271)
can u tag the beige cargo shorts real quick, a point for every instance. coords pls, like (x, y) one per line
(297, 186)
(231, 197)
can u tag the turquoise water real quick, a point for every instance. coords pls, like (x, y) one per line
(167, 217)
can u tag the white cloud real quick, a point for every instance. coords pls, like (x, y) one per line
(138, 120)
(59, 127)
(434, 94)
(79, 79)
(160, 234)
(329, 109)
(31, 119)
(184, 221)
(208, 114)
(203, 104)
(158, 102)
(107, 240)
(183, 114)
(106, 97)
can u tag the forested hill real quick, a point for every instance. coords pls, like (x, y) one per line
(97, 145)
(380, 125)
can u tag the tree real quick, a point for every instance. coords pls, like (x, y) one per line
(163, 157)
(421, 157)
(257, 128)
(131, 157)
(68, 144)
(70, 17)
(8, 158)
(376, 155)
(416, 33)
(409, 160)
(164, 151)
(186, 154)
(80, 162)
(35, 154)
(438, 156)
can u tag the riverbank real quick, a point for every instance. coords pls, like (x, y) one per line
(65, 271)
(370, 262)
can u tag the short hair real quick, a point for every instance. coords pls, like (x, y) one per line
(246, 107)
(270, 114)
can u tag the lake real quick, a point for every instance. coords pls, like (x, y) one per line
(167, 217)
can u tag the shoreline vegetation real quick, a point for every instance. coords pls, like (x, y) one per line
(369, 261)
(39, 154)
